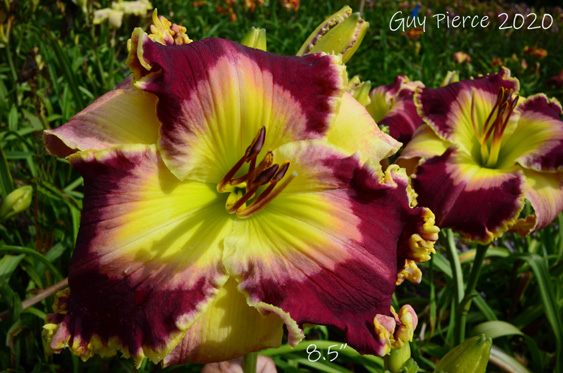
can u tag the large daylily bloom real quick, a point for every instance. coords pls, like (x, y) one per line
(483, 151)
(227, 192)
(392, 105)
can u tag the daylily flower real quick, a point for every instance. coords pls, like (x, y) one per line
(461, 57)
(413, 33)
(483, 151)
(119, 9)
(291, 4)
(227, 192)
(536, 52)
(392, 105)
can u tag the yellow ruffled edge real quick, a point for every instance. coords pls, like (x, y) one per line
(421, 244)
(95, 346)
(167, 33)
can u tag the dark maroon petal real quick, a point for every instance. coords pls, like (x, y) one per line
(214, 95)
(479, 203)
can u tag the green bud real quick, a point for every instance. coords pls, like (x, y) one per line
(360, 90)
(255, 38)
(451, 77)
(471, 356)
(341, 33)
(16, 202)
(397, 359)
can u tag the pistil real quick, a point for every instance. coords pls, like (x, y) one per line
(493, 129)
(244, 188)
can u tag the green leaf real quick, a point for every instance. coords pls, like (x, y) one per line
(550, 305)
(496, 329)
(6, 183)
(33, 254)
(11, 298)
(506, 362)
(13, 118)
(8, 264)
(67, 71)
(55, 252)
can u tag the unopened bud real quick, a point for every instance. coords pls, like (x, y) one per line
(451, 77)
(255, 38)
(341, 33)
(360, 90)
(16, 202)
(471, 356)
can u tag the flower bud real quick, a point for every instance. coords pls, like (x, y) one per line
(451, 77)
(341, 33)
(16, 202)
(255, 38)
(360, 90)
(471, 356)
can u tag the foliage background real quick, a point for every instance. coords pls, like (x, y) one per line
(54, 62)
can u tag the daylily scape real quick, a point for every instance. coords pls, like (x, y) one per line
(230, 191)
(483, 151)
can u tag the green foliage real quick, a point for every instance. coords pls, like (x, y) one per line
(54, 62)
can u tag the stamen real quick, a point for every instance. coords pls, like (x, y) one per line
(238, 204)
(497, 103)
(257, 144)
(244, 188)
(266, 175)
(249, 156)
(508, 106)
(259, 205)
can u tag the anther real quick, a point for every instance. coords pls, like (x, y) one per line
(281, 173)
(266, 175)
(249, 156)
(256, 145)
(264, 198)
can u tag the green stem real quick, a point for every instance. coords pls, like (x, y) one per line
(249, 362)
(11, 64)
(458, 282)
(471, 285)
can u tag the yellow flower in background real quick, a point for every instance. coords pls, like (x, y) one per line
(119, 9)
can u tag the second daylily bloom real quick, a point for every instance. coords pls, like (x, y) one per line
(483, 151)
(227, 192)
(392, 105)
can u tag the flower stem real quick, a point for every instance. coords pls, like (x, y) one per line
(465, 305)
(249, 362)
(458, 282)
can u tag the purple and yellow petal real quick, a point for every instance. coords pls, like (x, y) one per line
(354, 130)
(544, 190)
(449, 110)
(424, 144)
(228, 329)
(147, 260)
(325, 243)
(123, 116)
(214, 95)
(480, 203)
(392, 105)
(537, 142)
